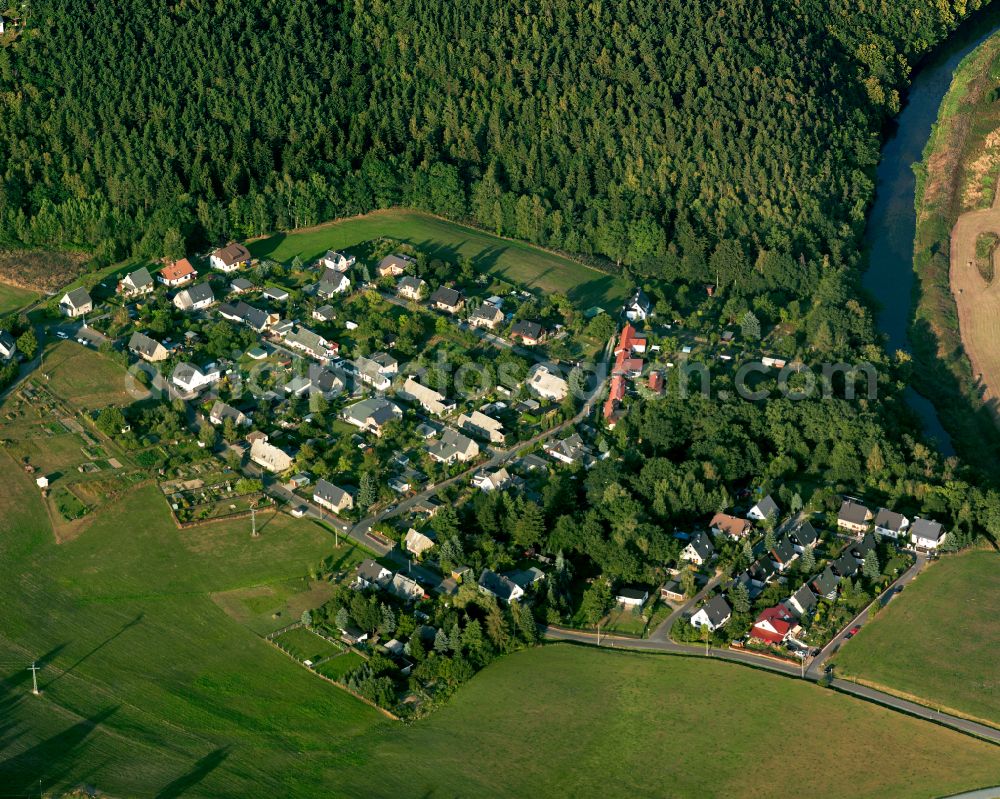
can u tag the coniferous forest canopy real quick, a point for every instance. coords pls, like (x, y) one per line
(684, 139)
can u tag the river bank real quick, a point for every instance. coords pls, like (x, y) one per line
(957, 174)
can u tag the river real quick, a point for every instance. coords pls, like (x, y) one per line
(892, 223)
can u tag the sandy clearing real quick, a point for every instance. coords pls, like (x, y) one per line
(977, 301)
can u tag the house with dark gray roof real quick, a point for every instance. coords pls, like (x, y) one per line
(861, 549)
(853, 516)
(927, 534)
(221, 411)
(804, 536)
(372, 573)
(825, 584)
(765, 509)
(332, 497)
(147, 348)
(486, 316)
(136, 283)
(7, 346)
(783, 553)
(890, 524)
(713, 614)
(501, 587)
(447, 300)
(802, 601)
(245, 314)
(846, 565)
(410, 287)
(699, 550)
(76, 302)
(194, 298)
(527, 332)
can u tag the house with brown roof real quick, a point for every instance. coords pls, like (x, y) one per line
(230, 258)
(394, 265)
(853, 516)
(733, 526)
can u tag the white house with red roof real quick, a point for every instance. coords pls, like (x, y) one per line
(773, 625)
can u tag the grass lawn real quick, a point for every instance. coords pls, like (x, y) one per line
(304, 645)
(600, 723)
(12, 297)
(514, 261)
(84, 377)
(339, 666)
(937, 641)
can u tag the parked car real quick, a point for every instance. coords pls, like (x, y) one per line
(852, 632)
(61, 334)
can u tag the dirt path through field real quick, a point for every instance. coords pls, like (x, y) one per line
(978, 302)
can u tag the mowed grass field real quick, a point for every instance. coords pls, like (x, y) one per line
(514, 261)
(84, 377)
(938, 641)
(564, 721)
(12, 297)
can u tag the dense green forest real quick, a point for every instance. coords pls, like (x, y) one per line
(687, 139)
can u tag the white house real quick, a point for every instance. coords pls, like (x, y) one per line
(453, 446)
(230, 258)
(891, 524)
(926, 534)
(430, 400)
(332, 283)
(372, 415)
(491, 481)
(418, 543)
(312, 344)
(76, 303)
(713, 614)
(221, 411)
(480, 424)
(503, 588)
(410, 287)
(189, 378)
(765, 509)
(337, 261)
(332, 497)
(7, 346)
(699, 550)
(177, 273)
(136, 283)
(638, 308)
(632, 597)
(547, 384)
(147, 348)
(195, 298)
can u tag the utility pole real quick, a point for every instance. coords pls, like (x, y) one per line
(33, 668)
(253, 522)
(598, 633)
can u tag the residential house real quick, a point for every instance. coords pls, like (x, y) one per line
(631, 342)
(7, 345)
(773, 625)
(76, 303)
(371, 573)
(430, 400)
(501, 587)
(699, 550)
(656, 383)
(570, 450)
(783, 553)
(394, 265)
(846, 565)
(240, 285)
(447, 300)
(245, 314)
(479, 424)
(230, 258)
(275, 294)
(765, 509)
(616, 393)
(638, 308)
(418, 543)
(312, 344)
(410, 288)
(405, 588)
(853, 516)
(824, 584)
(733, 526)
(331, 497)
(890, 524)
(528, 333)
(177, 273)
(486, 316)
(195, 298)
(352, 636)
(376, 371)
(333, 283)
(453, 446)
(631, 597)
(927, 534)
(547, 384)
(325, 313)
(147, 348)
(492, 481)
(136, 283)
(221, 411)
(373, 414)
(802, 601)
(861, 549)
(328, 382)
(761, 571)
(270, 457)
(713, 614)
(804, 537)
(337, 261)
(189, 378)
(525, 578)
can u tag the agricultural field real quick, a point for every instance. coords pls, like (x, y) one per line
(514, 261)
(13, 297)
(645, 725)
(937, 641)
(85, 378)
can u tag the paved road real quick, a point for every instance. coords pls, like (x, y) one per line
(818, 663)
(662, 632)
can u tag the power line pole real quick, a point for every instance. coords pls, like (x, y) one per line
(33, 668)
(253, 522)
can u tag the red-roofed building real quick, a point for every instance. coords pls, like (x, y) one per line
(630, 367)
(630, 341)
(615, 396)
(177, 274)
(773, 625)
(656, 382)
